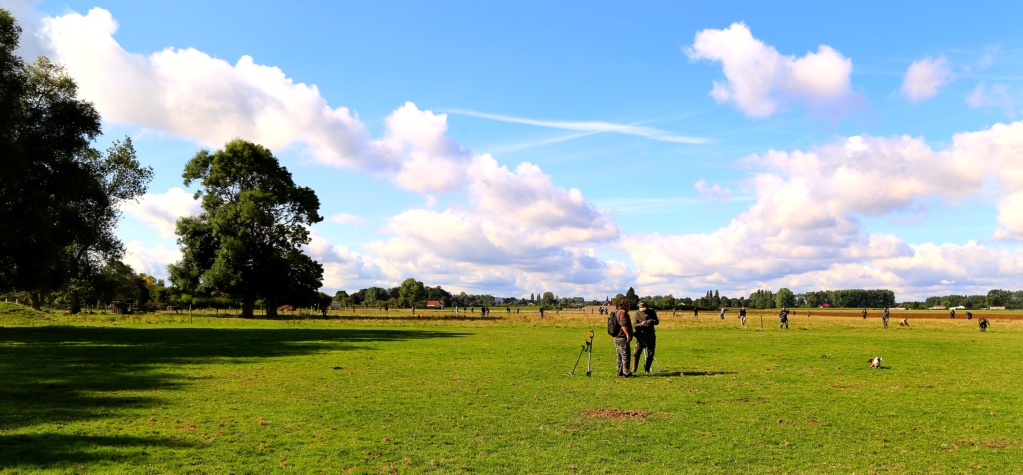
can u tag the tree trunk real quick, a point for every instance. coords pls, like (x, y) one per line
(248, 305)
(75, 304)
(271, 308)
(33, 298)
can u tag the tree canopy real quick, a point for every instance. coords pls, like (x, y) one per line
(59, 197)
(245, 243)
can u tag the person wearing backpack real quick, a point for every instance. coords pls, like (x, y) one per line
(619, 326)
(646, 339)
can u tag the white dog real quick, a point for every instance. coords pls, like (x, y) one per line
(875, 362)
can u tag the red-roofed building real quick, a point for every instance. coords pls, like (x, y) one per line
(434, 304)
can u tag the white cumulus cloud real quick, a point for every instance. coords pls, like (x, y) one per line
(345, 218)
(804, 227)
(162, 210)
(150, 261)
(190, 94)
(760, 81)
(924, 77)
(712, 193)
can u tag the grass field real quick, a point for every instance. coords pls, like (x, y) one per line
(432, 393)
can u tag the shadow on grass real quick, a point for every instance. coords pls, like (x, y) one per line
(667, 374)
(57, 375)
(37, 452)
(706, 373)
(663, 374)
(410, 318)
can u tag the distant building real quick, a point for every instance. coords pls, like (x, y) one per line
(938, 307)
(825, 305)
(996, 308)
(434, 304)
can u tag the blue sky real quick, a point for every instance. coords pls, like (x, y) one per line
(584, 147)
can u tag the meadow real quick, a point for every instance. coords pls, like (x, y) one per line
(434, 393)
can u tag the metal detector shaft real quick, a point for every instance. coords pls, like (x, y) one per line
(577, 360)
(589, 353)
(645, 353)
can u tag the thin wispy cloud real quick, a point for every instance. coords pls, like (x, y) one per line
(502, 149)
(591, 126)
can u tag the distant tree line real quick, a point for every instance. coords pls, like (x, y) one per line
(994, 298)
(413, 292)
(766, 299)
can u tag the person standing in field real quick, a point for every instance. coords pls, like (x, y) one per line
(742, 315)
(952, 313)
(623, 339)
(722, 313)
(969, 315)
(864, 313)
(783, 317)
(646, 338)
(884, 316)
(696, 313)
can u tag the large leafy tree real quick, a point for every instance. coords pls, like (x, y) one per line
(633, 299)
(117, 177)
(411, 292)
(59, 196)
(785, 298)
(245, 243)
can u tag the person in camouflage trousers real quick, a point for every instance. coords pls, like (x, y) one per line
(623, 339)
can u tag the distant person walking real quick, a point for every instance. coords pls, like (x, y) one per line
(646, 338)
(722, 313)
(783, 318)
(864, 313)
(884, 316)
(623, 339)
(742, 315)
(952, 313)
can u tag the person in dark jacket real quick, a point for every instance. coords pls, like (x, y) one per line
(646, 338)
(783, 318)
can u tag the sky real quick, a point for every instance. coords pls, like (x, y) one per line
(583, 148)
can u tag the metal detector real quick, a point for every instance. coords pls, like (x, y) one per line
(588, 349)
(659, 370)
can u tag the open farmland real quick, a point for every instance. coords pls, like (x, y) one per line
(370, 393)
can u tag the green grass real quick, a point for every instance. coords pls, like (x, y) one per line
(157, 394)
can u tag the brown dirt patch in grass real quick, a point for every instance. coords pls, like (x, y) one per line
(616, 414)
